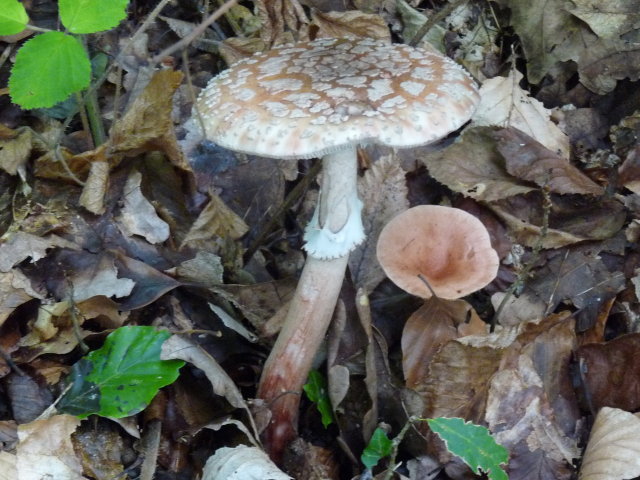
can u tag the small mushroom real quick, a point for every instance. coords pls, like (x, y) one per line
(447, 247)
(323, 99)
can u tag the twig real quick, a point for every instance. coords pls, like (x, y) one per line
(199, 30)
(433, 20)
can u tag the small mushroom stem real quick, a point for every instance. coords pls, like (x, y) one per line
(336, 228)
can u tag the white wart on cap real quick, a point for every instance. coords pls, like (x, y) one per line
(309, 99)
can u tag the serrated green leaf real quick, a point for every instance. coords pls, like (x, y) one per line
(122, 377)
(13, 17)
(48, 69)
(90, 16)
(316, 390)
(473, 444)
(379, 446)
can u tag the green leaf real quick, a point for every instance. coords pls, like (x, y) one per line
(473, 444)
(379, 446)
(122, 377)
(48, 69)
(13, 17)
(316, 390)
(90, 16)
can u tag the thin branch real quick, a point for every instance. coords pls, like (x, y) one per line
(199, 30)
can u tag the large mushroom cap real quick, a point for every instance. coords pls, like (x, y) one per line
(449, 247)
(312, 98)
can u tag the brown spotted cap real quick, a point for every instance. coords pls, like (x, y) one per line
(309, 99)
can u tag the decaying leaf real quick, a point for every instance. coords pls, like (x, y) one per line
(474, 167)
(138, 216)
(241, 463)
(177, 347)
(46, 450)
(613, 451)
(91, 275)
(610, 374)
(20, 245)
(14, 153)
(612, 19)
(216, 220)
(383, 191)
(430, 327)
(147, 125)
(531, 161)
(95, 187)
(503, 103)
(15, 289)
(350, 24)
(572, 219)
(629, 171)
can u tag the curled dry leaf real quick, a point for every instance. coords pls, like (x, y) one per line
(629, 171)
(473, 167)
(503, 103)
(613, 451)
(14, 153)
(46, 450)
(138, 216)
(383, 191)
(216, 220)
(15, 289)
(531, 161)
(95, 187)
(429, 328)
(147, 125)
(20, 245)
(350, 24)
(241, 463)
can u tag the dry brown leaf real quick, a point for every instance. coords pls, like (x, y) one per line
(94, 275)
(8, 466)
(15, 289)
(614, 18)
(95, 187)
(138, 216)
(46, 450)
(458, 381)
(283, 21)
(473, 167)
(383, 190)
(241, 462)
(428, 329)
(605, 61)
(14, 153)
(571, 219)
(147, 125)
(350, 24)
(531, 161)
(610, 373)
(216, 220)
(177, 347)
(629, 171)
(613, 451)
(503, 103)
(20, 245)
(235, 49)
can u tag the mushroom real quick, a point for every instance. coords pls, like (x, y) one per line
(437, 249)
(323, 99)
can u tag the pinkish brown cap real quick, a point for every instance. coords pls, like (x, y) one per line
(449, 247)
(312, 98)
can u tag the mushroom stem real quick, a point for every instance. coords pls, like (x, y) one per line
(336, 228)
(288, 365)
